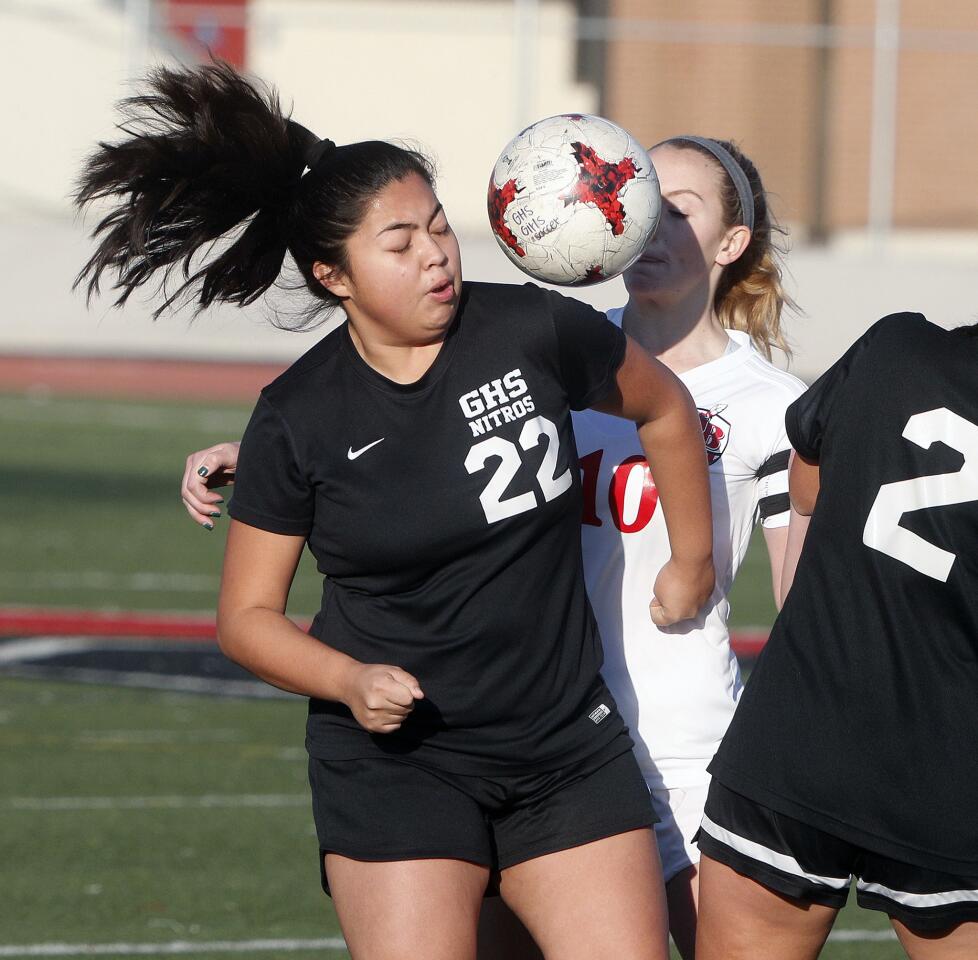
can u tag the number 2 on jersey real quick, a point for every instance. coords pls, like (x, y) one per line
(883, 531)
(495, 506)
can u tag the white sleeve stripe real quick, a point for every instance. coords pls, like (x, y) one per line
(918, 899)
(775, 483)
(757, 851)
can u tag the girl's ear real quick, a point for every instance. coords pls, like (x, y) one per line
(332, 278)
(735, 242)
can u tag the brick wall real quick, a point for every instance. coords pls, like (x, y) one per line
(698, 72)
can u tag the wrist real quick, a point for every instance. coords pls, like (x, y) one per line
(344, 672)
(692, 560)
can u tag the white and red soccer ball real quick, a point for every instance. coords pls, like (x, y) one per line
(573, 200)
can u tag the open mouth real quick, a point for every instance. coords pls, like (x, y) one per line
(443, 292)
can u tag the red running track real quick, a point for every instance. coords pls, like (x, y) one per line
(135, 379)
(37, 621)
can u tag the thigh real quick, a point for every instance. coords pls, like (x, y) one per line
(599, 899)
(955, 943)
(790, 857)
(389, 910)
(682, 901)
(769, 886)
(934, 913)
(680, 811)
(741, 919)
(501, 934)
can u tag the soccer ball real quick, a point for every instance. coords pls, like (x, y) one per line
(573, 200)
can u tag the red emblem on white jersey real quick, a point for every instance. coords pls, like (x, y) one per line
(716, 431)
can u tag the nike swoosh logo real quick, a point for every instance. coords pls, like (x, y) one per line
(352, 454)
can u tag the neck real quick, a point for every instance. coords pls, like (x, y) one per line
(402, 363)
(681, 336)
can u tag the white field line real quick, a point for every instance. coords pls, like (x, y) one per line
(27, 658)
(15, 651)
(137, 416)
(203, 802)
(861, 936)
(167, 949)
(177, 683)
(259, 946)
(106, 580)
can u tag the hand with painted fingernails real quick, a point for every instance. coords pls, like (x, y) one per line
(205, 472)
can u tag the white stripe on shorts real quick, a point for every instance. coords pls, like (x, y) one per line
(780, 861)
(919, 899)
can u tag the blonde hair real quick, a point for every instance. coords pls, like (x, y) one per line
(751, 295)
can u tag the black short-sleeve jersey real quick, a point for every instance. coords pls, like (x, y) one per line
(445, 517)
(861, 717)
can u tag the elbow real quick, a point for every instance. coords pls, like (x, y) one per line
(228, 636)
(803, 505)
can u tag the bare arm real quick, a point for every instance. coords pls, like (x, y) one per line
(776, 541)
(803, 487)
(254, 632)
(672, 439)
(803, 483)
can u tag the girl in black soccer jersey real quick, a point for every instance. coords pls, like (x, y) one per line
(458, 724)
(853, 752)
(705, 298)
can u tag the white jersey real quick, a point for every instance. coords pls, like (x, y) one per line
(677, 687)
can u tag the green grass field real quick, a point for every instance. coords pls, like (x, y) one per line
(92, 516)
(141, 817)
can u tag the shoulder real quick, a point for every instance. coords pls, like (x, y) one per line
(478, 294)
(777, 385)
(527, 299)
(307, 374)
(761, 391)
(897, 329)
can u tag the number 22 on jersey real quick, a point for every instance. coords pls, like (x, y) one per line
(496, 506)
(883, 531)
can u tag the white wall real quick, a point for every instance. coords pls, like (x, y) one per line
(443, 73)
(438, 70)
(62, 65)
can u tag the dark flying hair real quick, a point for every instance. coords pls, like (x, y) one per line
(208, 154)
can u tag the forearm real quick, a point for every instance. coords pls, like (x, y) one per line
(269, 645)
(797, 530)
(673, 446)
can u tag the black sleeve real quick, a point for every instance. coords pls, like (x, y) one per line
(590, 350)
(270, 490)
(807, 419)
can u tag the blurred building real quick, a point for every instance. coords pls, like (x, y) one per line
(857, 111)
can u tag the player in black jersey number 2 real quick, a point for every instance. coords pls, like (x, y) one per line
(459, 729)
(853, 751)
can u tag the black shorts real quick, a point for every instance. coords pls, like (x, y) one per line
(391, 809)
(809, 864)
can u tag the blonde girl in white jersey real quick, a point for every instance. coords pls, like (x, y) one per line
(706, 299)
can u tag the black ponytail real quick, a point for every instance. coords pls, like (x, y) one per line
(206, 151)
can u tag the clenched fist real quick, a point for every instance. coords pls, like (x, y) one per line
(381, 696)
